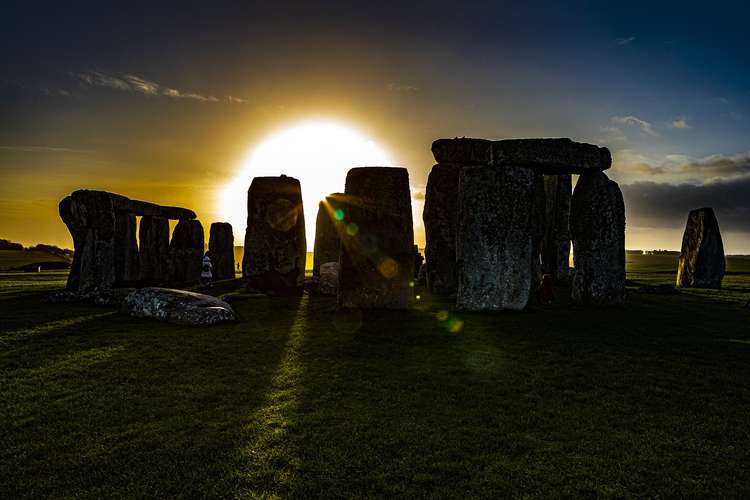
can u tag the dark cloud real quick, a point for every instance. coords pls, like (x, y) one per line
(661, 205)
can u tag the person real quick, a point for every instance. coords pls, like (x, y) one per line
(206, 271)
(546, 290)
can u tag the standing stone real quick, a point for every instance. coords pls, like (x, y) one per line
(221, 248)
(153, 236)
(495, 241)
(326, 237)
(440, 216)
(556, 245)
(126, 249)
(597, 223)
(377, 238)
(186, 252)
(275, 246)
(90, 218)
(702, 262)
(328, 280)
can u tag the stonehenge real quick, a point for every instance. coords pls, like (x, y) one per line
(221, 250)
(186, 252)
(327, 241)
(475, 265)
(275, 245)
(597, 223)
(106, 251)
(377, 238)
(702, 263)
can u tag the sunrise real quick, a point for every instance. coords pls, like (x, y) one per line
(374, 250)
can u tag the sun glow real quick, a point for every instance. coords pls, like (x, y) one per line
(318, 153)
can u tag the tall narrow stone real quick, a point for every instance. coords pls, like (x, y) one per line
(186, 252)
(275, 246)
(440, 216)
(702, 262)
(556, 246)
(126, 249)
(153, 254)
(377, 238)
(496, 241)
(597, 223)
(90, 218)
(221, 249)
(326, 238)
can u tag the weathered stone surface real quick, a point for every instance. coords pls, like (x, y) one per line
(90, 218)
(440, 216)
(326, 237)
(702, 262)
(377, 238)
(153, 254)
(126, 249)
(550, 156)
(275, 245)
(328, 279)
(495, 241)
(597, 223)
(177, 306)
(556, 244)
(221, 249)
(124, 204)
(186, 252)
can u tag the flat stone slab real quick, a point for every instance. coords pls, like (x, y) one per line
(549, 156)
(177, 306)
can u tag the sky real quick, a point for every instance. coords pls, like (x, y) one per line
(166, 101)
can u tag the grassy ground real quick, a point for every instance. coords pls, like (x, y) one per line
(16, 258)
(297, 400)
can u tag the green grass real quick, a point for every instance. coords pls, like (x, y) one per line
(298, 400)
(15, 258)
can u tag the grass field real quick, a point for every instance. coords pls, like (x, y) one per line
(298, 400)
(15, 258)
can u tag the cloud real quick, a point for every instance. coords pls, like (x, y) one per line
(663, 205)
(138, 84)
(680, 168)
(732, 115)
(680, 123)
(631, 120)
(39, 149)
(399, 87)
(611, 136)
(624, 41)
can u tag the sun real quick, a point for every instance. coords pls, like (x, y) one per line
(318, 153)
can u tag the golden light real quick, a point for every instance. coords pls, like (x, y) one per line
(318, 153)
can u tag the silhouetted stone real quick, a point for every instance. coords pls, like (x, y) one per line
(126, 249)
(702, 263)
(418, 260)
(377, 238)
(124, 204)
(597, 223)
(549, 156)
(326, 237)
(153, 254)
(556, 245)
(221, 248)
(275, 246)
(439, 216)
(495, 241)
(177, 306)
(186, 252)
(90, 218)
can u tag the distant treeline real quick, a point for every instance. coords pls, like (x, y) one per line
(63, 253)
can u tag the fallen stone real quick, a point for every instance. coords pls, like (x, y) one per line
(440, 219)
(177, 306)
(326, 237)
(221, 250)
(495, 242)
(702, 262)
(597, 223)
(126, 249)
(556, 241)
(153, 254)
(186, 252)
(275, 245)
(328, 279)
(377, 238)
(549, 156)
